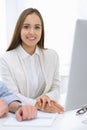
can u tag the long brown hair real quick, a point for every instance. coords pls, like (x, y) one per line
(16, 39)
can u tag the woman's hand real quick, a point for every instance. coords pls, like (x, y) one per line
(44, 103)
(43, 100)
(54, 108)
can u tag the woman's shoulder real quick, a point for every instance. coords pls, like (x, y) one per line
(50, 52)
(8, 54)
(49, 55)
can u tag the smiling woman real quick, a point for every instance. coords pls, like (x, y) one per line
(59, 26)
(31, 32)
(37, 66)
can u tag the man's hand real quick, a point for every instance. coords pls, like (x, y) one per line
(26, 112)
(3, 108)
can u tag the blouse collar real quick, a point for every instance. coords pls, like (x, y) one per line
(23, 54)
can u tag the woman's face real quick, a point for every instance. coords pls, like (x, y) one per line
(31, 31)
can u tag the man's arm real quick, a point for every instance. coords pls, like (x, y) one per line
(14, 106)
(23, 112)
(11, 101)
(6, 95)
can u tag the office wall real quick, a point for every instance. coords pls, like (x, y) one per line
(82, 9)
(3, 34)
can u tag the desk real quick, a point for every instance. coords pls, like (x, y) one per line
(66, 121)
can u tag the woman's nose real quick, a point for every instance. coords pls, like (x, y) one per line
(31, 30)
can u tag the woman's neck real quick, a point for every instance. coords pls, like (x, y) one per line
(29, 49)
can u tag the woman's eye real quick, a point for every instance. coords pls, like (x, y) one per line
(26, 27)
(37, 27)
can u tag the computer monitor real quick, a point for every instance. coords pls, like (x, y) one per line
(77, 83)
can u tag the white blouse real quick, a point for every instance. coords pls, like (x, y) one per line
(34, 74)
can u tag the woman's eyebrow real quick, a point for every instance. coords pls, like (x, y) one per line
(29, 24)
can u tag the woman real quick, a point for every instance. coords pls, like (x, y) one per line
(30, 70)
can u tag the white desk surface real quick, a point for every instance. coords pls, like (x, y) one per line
(66, 121)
